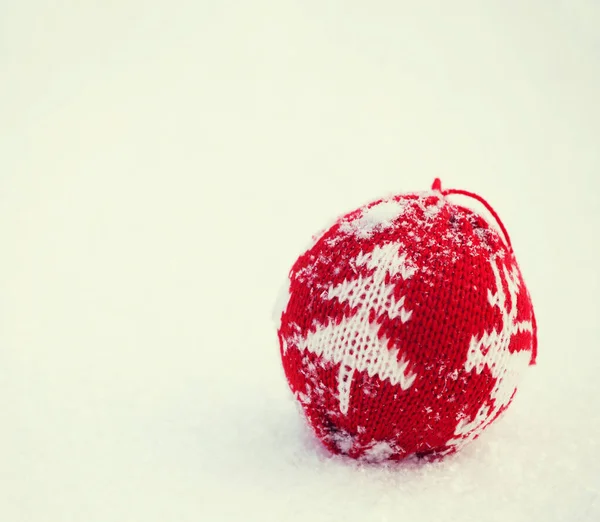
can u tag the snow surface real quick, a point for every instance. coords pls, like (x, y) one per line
(161, 166)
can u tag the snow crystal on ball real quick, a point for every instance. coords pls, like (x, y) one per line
(376, 218)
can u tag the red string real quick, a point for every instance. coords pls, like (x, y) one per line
(437, 185)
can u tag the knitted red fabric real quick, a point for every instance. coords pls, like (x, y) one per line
(405, 328)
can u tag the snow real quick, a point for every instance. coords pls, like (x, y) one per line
(379, 452)
(281, 302)
(163, 164)
(375, 218)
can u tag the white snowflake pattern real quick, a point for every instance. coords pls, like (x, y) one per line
(354, 343)
(491, 350)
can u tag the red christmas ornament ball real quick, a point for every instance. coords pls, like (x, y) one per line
(405, 328)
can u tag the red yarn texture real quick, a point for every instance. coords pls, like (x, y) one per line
(405, 329)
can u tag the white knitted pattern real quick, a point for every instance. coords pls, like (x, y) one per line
(354, 343)
(491, 351)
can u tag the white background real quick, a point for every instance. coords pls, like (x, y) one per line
(163, 163)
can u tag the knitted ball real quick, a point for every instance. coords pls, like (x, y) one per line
(405, 328)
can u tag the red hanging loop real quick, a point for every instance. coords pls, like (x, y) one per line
(437, 185)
